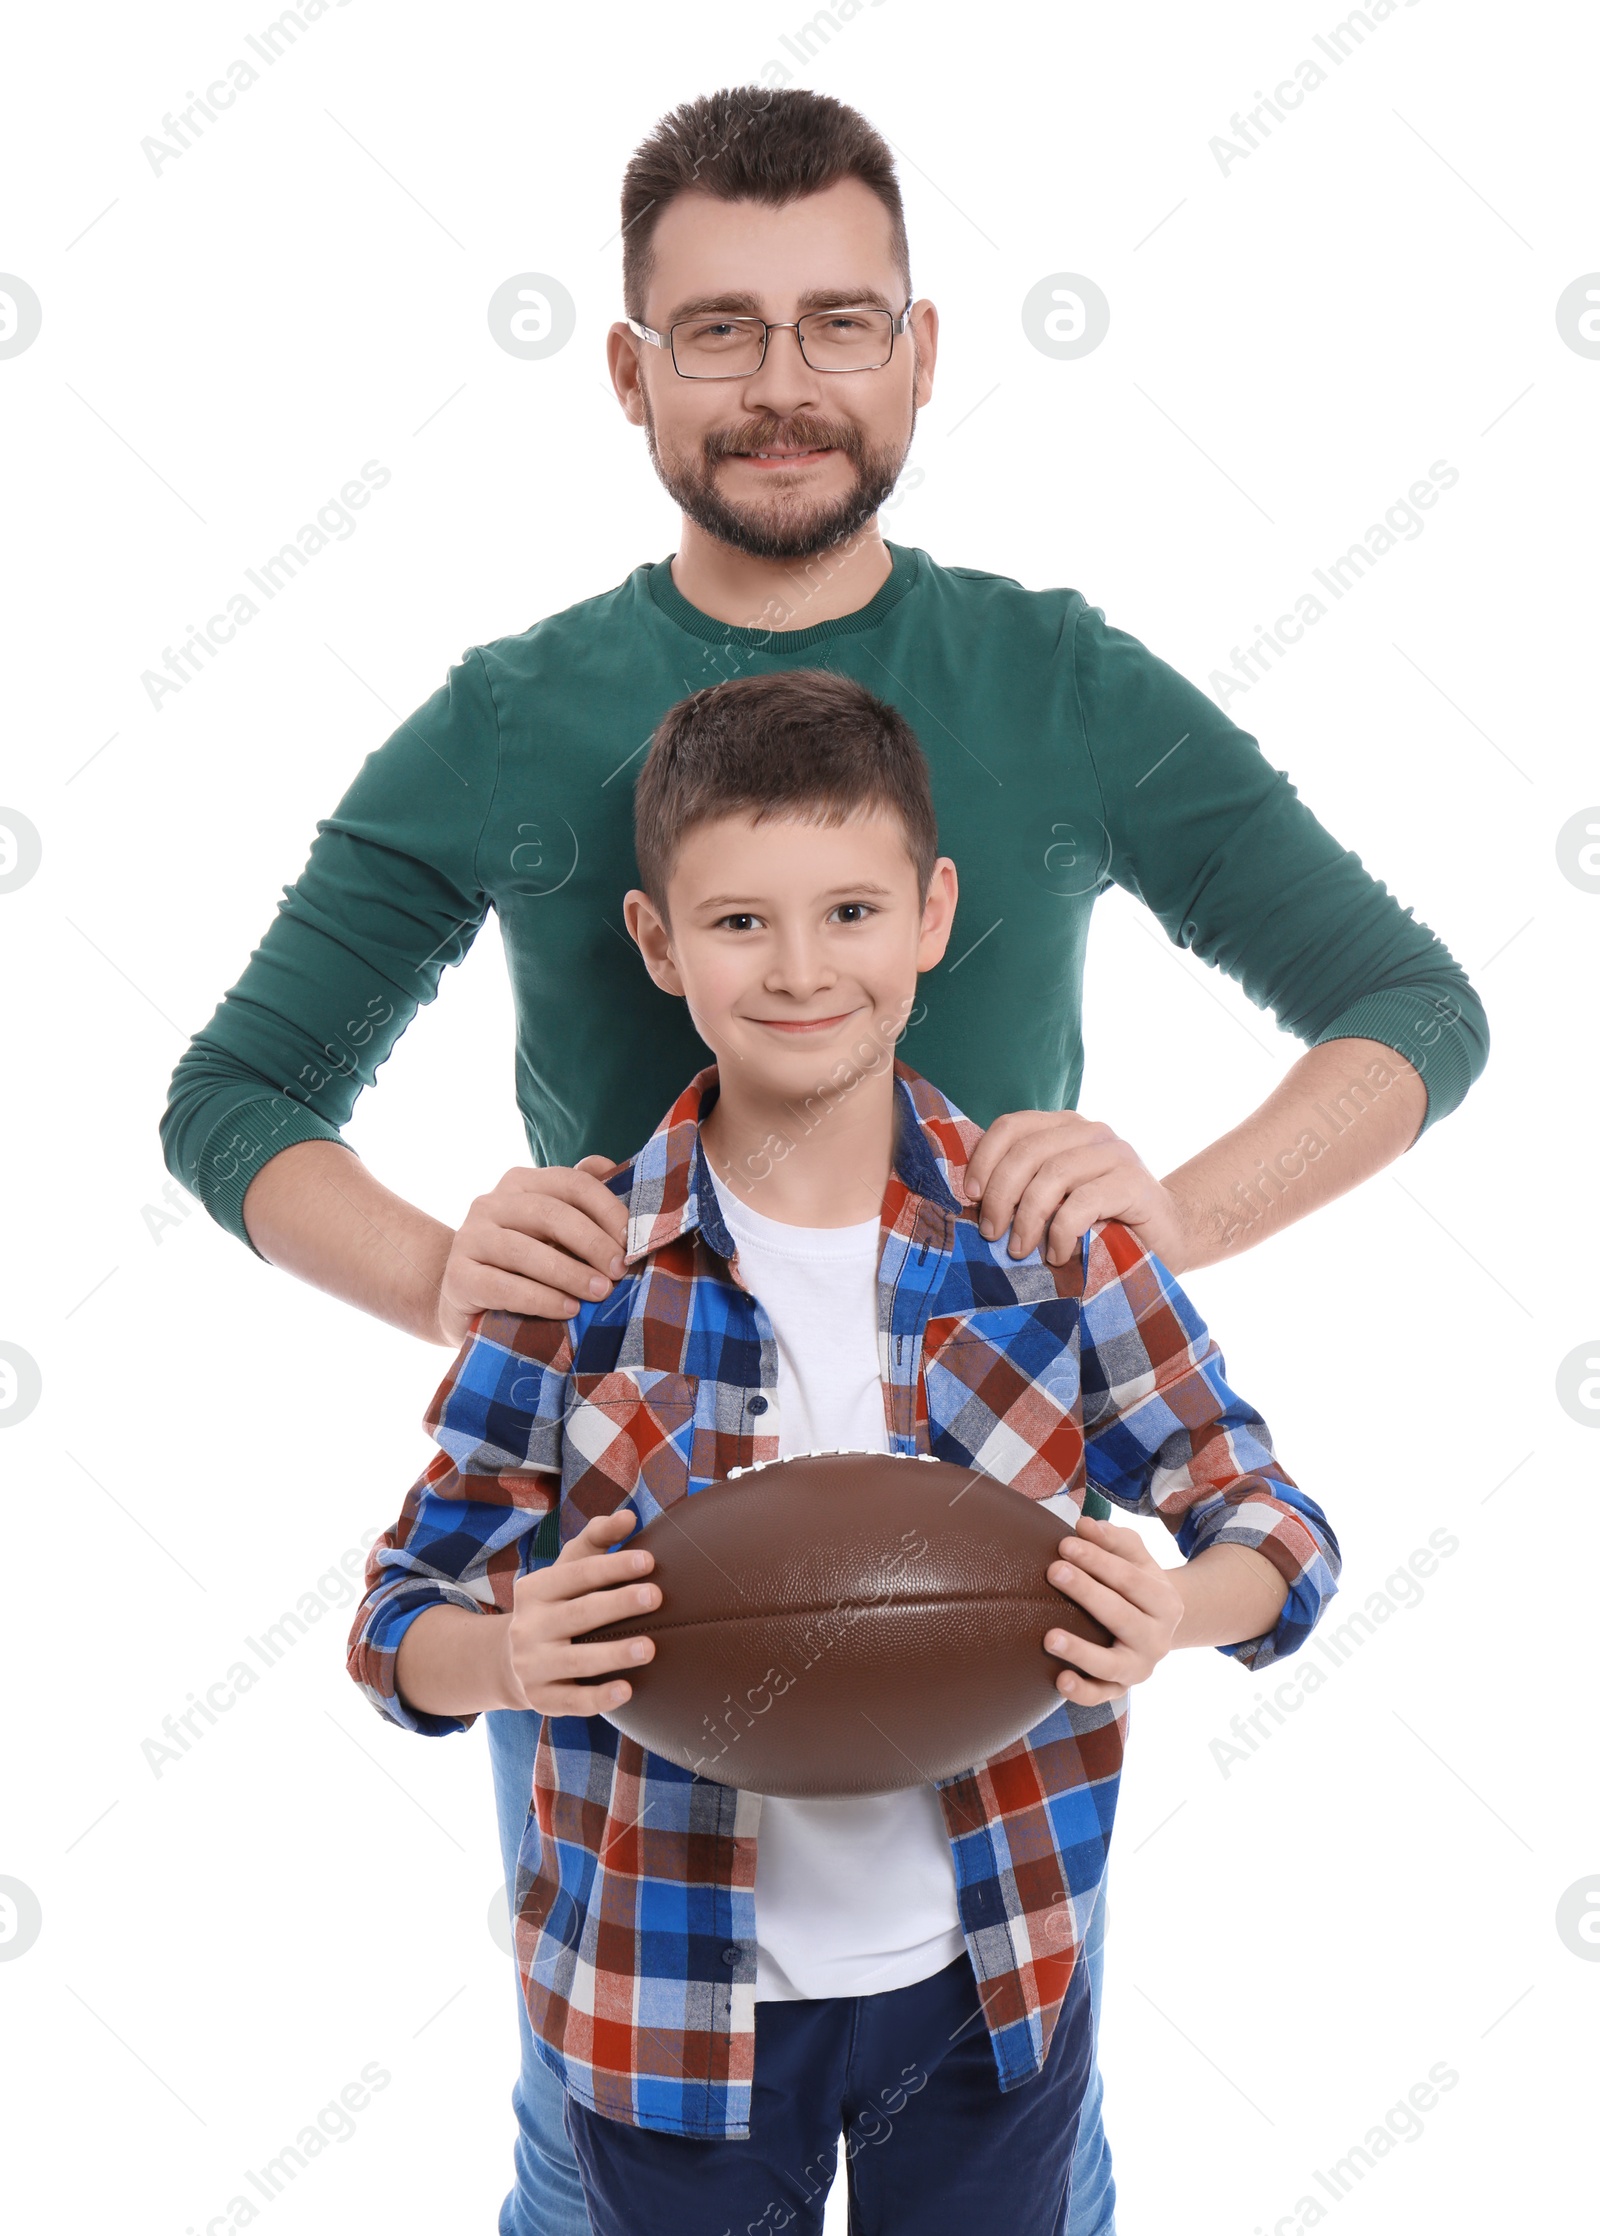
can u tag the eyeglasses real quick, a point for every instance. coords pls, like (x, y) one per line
(710, 347)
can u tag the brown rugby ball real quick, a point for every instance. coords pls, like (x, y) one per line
(847, 1623)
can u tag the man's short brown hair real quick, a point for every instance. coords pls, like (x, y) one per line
(805, 744)
(751, 143)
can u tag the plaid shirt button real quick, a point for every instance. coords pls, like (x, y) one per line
(730, 1956)
(758, 1405)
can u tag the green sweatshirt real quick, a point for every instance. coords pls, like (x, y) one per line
(1065, 758)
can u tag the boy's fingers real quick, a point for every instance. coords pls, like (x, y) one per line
(600, 1533)
(584, 1700)
(1106, 1573)
(1092, 1530)
(575, 1618)
(603, 1575)
(1109, 1551)
(573, 1662)
(1120, 1611)
(1083, 1653)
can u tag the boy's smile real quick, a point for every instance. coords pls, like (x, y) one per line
(803, 1024)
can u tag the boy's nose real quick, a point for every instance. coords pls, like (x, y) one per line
(799, 970)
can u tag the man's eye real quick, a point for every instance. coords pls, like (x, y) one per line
(737, 923)
(854, 912)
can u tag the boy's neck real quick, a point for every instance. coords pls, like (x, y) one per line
(821, 1162)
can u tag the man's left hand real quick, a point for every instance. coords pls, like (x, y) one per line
(1049, 1175)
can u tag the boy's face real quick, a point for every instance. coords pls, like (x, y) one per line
(796, 945)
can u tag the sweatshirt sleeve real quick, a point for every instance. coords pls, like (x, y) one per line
(1165, 1435)
(389, 895)
(1220, 847)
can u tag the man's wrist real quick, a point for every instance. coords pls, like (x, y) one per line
(317, 1212)
(1188, 1230)
(1342, 1111)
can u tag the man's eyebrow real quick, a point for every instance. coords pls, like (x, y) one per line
(741, 303)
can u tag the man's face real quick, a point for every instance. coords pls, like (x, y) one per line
(796, 945)
(840, 439)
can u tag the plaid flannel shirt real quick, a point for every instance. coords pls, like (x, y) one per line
(635, 1887)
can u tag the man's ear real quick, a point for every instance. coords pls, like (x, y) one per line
(649, 931)
(925, 343)
(626, 368)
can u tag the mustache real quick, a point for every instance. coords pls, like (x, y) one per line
(803, 434)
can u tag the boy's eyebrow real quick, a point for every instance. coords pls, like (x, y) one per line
(741, 303)
(758, 900)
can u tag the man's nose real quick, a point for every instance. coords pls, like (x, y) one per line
(784, 381)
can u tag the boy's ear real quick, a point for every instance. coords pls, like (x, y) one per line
(650, 934)
(938, 914)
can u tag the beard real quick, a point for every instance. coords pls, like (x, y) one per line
(783, 526)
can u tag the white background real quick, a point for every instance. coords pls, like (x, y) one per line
(306, 1891)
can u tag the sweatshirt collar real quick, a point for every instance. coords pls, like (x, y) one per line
(905, 567)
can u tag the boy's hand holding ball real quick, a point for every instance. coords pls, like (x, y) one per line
(587, 1586)
(1113, 1575)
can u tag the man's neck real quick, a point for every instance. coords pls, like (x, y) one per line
(750, 593)
(821, 1162)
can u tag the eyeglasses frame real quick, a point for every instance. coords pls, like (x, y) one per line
(771, 326)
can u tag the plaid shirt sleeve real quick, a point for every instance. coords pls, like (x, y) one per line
(465, 1532)
(1165, 1435)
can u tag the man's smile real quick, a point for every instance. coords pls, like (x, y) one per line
(767, 461)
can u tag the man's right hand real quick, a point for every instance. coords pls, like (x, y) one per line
(586, 1587)
(542, 1241)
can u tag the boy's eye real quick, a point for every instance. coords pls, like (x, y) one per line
(745, 920)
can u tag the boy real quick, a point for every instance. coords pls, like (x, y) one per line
(725, 1984)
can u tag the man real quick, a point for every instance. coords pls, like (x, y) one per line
(776, 358)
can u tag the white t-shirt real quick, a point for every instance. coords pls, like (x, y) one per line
(853, 1896)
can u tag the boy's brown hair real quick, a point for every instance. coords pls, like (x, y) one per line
(804, 743)
(751, 143)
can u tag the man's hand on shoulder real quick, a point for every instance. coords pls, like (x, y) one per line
(1050, 1175)
(542, 1241)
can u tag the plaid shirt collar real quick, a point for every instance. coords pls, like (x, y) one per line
(668, 1183)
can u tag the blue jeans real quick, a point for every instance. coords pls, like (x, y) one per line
(546, 2198)
(934, 2147)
